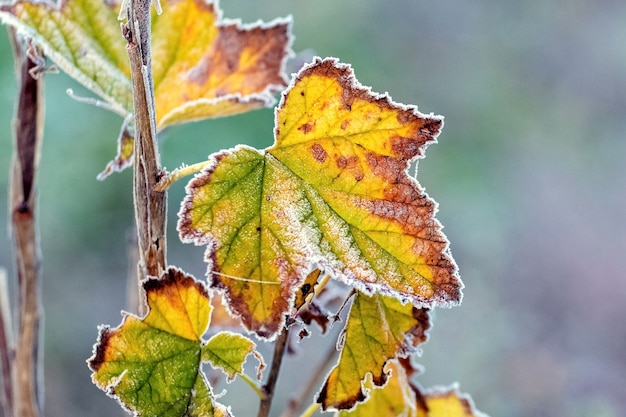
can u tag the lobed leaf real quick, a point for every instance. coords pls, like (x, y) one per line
(379, 328)
(332, 194)
(228, 351)
(203, 66)
(153, 365)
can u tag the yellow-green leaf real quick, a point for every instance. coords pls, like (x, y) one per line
(203, 67)
(332, 193)
(379, 328)
(153, 365)
(228, 351)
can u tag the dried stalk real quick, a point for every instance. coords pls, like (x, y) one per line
(27, 369)
(150, 205)
(7, 348)
(272, 379)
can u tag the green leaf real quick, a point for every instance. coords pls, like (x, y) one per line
(153, 365)
(228, 351)
(379, 328)
(332, 194)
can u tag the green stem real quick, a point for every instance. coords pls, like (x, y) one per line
(310, 411)
(255, 387)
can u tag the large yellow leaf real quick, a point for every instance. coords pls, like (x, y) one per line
(379, 328)
(332, 194)
(203, 67)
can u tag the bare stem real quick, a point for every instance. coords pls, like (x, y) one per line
(150, 205)
(270, 385)
(27, 369)
(7, 348)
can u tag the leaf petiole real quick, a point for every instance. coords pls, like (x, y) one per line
(168, 179)
(309, 411)
(255, 387)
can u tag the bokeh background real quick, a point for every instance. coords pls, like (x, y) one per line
(529, 173)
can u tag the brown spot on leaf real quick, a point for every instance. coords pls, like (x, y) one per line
(407, 148)
(266, 47)
(351, 164)
(307, 127)
(388, 169)
(406, 116)
(345, 124)
(319, 153)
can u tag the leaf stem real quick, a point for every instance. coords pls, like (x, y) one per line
(179, 173)
(255, 387)
(150, 205)
(310, 410)
(26, 367)
(270, 385)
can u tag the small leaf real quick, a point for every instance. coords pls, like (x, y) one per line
(228, 351)
(379, 328)
(332, 194)
(307, 289)
(152, 365)
(124, 157)
(203, 67)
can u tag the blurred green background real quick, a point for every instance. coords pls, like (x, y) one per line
(529, 174)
